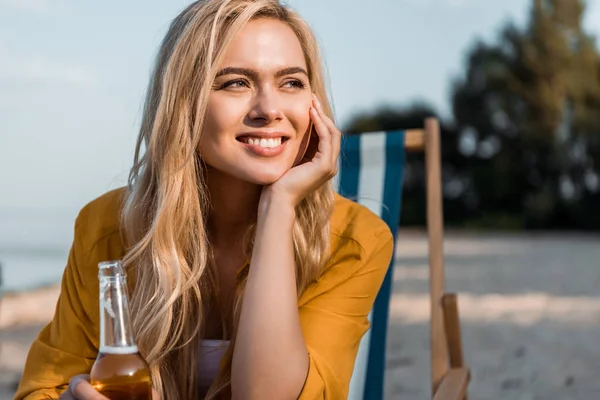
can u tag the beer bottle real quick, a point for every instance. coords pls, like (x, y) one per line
(119, 372)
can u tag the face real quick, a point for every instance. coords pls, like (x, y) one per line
(258, 109)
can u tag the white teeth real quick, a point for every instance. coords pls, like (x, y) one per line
(267, 143)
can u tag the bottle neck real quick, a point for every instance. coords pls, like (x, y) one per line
(116, 334)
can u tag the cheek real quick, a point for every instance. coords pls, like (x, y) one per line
(302, 123)
(222, 115)
(301, 116)
(221, 120)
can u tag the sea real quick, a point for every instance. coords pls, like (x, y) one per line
(34, 248)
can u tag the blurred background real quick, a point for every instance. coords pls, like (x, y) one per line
(515, 84)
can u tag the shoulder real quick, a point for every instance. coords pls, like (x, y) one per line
(355, 223)
(97, 237)
(99, 221)
(361, 247)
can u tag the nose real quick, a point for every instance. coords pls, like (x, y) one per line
(265, 107)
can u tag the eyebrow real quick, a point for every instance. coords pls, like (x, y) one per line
(252, 74)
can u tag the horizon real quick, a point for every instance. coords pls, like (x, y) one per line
(74, 75)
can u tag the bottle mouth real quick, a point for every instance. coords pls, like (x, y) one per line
(111, 269)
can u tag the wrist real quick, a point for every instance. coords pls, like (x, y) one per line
(279, 206)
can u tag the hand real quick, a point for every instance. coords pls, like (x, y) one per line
(305, 178)
(81, 389)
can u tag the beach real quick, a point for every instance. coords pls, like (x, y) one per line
(529, 305)
(22, 316)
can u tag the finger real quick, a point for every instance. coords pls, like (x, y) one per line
(67, 395)
(336, 139)
(81, 389)
(155, 395)
(323, 133)
(336, 135)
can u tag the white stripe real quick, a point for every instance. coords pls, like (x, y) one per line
(372, 171)
(370, 194)
(359, 375)
(335, 182)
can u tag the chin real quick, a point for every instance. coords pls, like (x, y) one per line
(261, 172)
(264, 178)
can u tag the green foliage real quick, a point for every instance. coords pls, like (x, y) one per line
(524, 147)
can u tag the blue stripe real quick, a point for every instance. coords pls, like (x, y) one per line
(392, 196)
(350, 165)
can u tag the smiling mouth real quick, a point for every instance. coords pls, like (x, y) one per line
(270, 143)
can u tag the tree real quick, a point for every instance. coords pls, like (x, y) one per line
(527, 113)
(523, 150)
(456, 207)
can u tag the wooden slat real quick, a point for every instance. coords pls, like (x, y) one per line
(414, 139)
(454, 385)
(453, 334)
(439, 351)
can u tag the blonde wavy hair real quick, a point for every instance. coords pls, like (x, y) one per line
(164, 218)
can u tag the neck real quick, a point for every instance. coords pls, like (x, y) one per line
(234, 205)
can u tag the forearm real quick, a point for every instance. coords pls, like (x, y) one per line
(270, 358)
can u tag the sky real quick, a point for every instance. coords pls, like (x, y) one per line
(73, 75)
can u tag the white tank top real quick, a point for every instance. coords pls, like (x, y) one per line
(210, 356)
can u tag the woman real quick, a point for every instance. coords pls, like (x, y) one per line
(229, 226)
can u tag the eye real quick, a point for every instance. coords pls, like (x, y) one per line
(295, 84)
(235, 84)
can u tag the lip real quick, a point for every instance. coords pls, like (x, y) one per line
(264, 135)
(264, 151)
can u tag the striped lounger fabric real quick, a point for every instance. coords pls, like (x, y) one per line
(371, 173)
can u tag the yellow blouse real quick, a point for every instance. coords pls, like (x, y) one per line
(333, 311)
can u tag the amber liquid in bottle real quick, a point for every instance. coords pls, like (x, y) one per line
(119, 372)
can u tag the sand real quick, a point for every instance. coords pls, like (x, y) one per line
(22, 316)
(530, 315)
